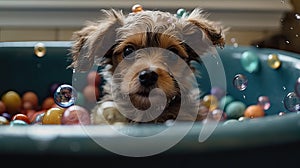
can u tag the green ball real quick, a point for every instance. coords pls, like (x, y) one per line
(180, 12)
(235, 110)
(225, 101)
(250, 61)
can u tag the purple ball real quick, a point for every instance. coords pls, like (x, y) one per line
(217, 92)
(53, 88)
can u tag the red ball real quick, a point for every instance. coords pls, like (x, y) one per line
(2, 107)
(30, 100)
(76, 115)
(93, 78)
(33, 116)
(48, 103)
(22, 117)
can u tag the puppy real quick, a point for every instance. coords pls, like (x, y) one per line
(145, 59)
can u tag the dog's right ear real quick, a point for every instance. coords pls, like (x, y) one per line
(93, 41)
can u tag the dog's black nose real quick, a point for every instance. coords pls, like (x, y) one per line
(148, 77)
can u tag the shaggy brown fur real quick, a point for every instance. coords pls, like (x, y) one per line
(112, 41)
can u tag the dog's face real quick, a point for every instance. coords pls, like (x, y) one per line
(147, 50)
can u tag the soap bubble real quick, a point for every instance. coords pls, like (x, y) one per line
(264, 102)
(65, 96)
(240, 82)
(291, 102)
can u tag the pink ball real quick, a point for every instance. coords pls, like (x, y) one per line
(76, 115)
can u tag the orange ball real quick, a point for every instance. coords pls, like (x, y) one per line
(93, 78)
(53, 116)
(137, 8)
(48, 103)
(32, 98)
(12, 101)
(2, 107)
(254, 111)
(33, 116)
(91, 93)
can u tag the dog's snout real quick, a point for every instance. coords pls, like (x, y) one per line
(148, 77)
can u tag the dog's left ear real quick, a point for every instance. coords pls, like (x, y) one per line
(212, 30)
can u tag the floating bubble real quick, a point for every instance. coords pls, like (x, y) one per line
(240, 82)
(40, 49)
(264, 102)
(297, 87)
(65, 96)
(273, 61)
(250, 61)
(291, 102)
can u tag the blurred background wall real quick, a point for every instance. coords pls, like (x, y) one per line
(251, 22)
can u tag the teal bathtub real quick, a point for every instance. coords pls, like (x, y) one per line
(271, 140)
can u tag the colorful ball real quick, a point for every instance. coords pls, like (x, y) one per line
(235, 110)
(211, 102)
(137, 8)
(75, 115)
(180, 12)
(254, 111)
(53, 116)
(218, 92)
(22, 117)
(250, 61)
(2, 107)
(48, 103)
(37, 118)
(3, 121)
(273, 61)
(264, 102)
(225, 101)
(31, 98)
(93, 78)
(12, 101)
(17, 123)
(91, 93)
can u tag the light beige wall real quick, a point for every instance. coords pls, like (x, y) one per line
(239, 36)
(36, 34)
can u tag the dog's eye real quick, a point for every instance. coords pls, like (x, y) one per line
(128, 50)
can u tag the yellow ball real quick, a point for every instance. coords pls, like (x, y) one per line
(273, 61)
(211, 102)
(12, 101)
(53, 116)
